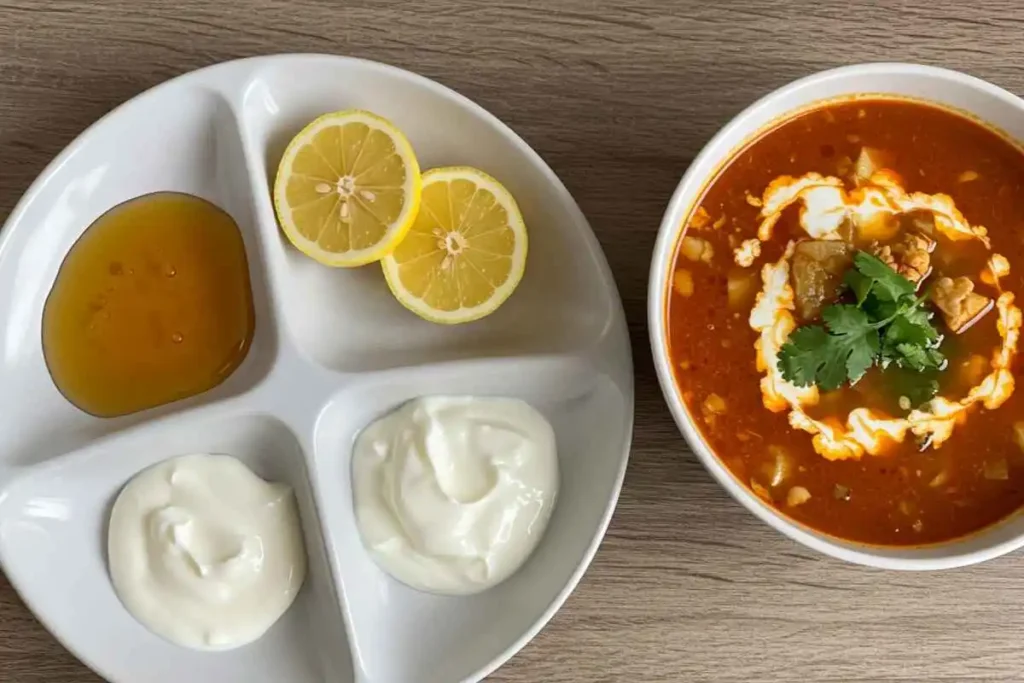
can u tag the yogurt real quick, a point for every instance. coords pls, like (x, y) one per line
(452, 494)
(205, 553)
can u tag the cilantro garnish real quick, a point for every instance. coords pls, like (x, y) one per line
(888, 325)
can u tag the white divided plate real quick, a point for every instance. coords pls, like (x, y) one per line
(333, 350)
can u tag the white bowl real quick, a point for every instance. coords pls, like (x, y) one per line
(332, 351)
(985, 101)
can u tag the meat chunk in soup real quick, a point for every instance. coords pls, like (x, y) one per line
(961, 306)
(818, 267)
(911, 257)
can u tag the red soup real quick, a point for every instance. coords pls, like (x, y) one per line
(843, 321)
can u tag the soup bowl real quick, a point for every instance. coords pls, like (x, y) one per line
(978, 99)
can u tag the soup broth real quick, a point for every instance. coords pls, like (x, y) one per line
(919, 485)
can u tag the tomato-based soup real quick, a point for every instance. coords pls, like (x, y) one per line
(900, 454)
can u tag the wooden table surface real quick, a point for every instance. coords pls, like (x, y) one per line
(618, 96)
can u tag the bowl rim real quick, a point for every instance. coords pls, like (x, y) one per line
(944, 555)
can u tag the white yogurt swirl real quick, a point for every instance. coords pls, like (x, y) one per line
(205, 553)
(452, 494)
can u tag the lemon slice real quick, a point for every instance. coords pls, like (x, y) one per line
(347, 189)
(465, 252)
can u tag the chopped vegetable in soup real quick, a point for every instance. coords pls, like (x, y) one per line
(844, 319)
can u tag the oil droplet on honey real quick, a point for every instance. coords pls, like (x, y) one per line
(151, 305)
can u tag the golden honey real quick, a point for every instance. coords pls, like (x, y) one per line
(152, 305)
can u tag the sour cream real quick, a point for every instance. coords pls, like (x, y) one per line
(452, 494)
(205, 553)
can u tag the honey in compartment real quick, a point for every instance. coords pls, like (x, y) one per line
(151, 305)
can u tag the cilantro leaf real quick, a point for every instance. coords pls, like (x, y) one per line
(910, 341)
(937, 358)
(878, 309)
(801, 357)
(887, 284)
(862, 356)
(906, 331)
(859, 284)
(913, 357)
(832, 373)
(888, 326)
(852, 329)
(921, 317)
(813, 355)
(844, 319)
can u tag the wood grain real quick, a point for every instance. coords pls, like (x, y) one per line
(618, 96)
